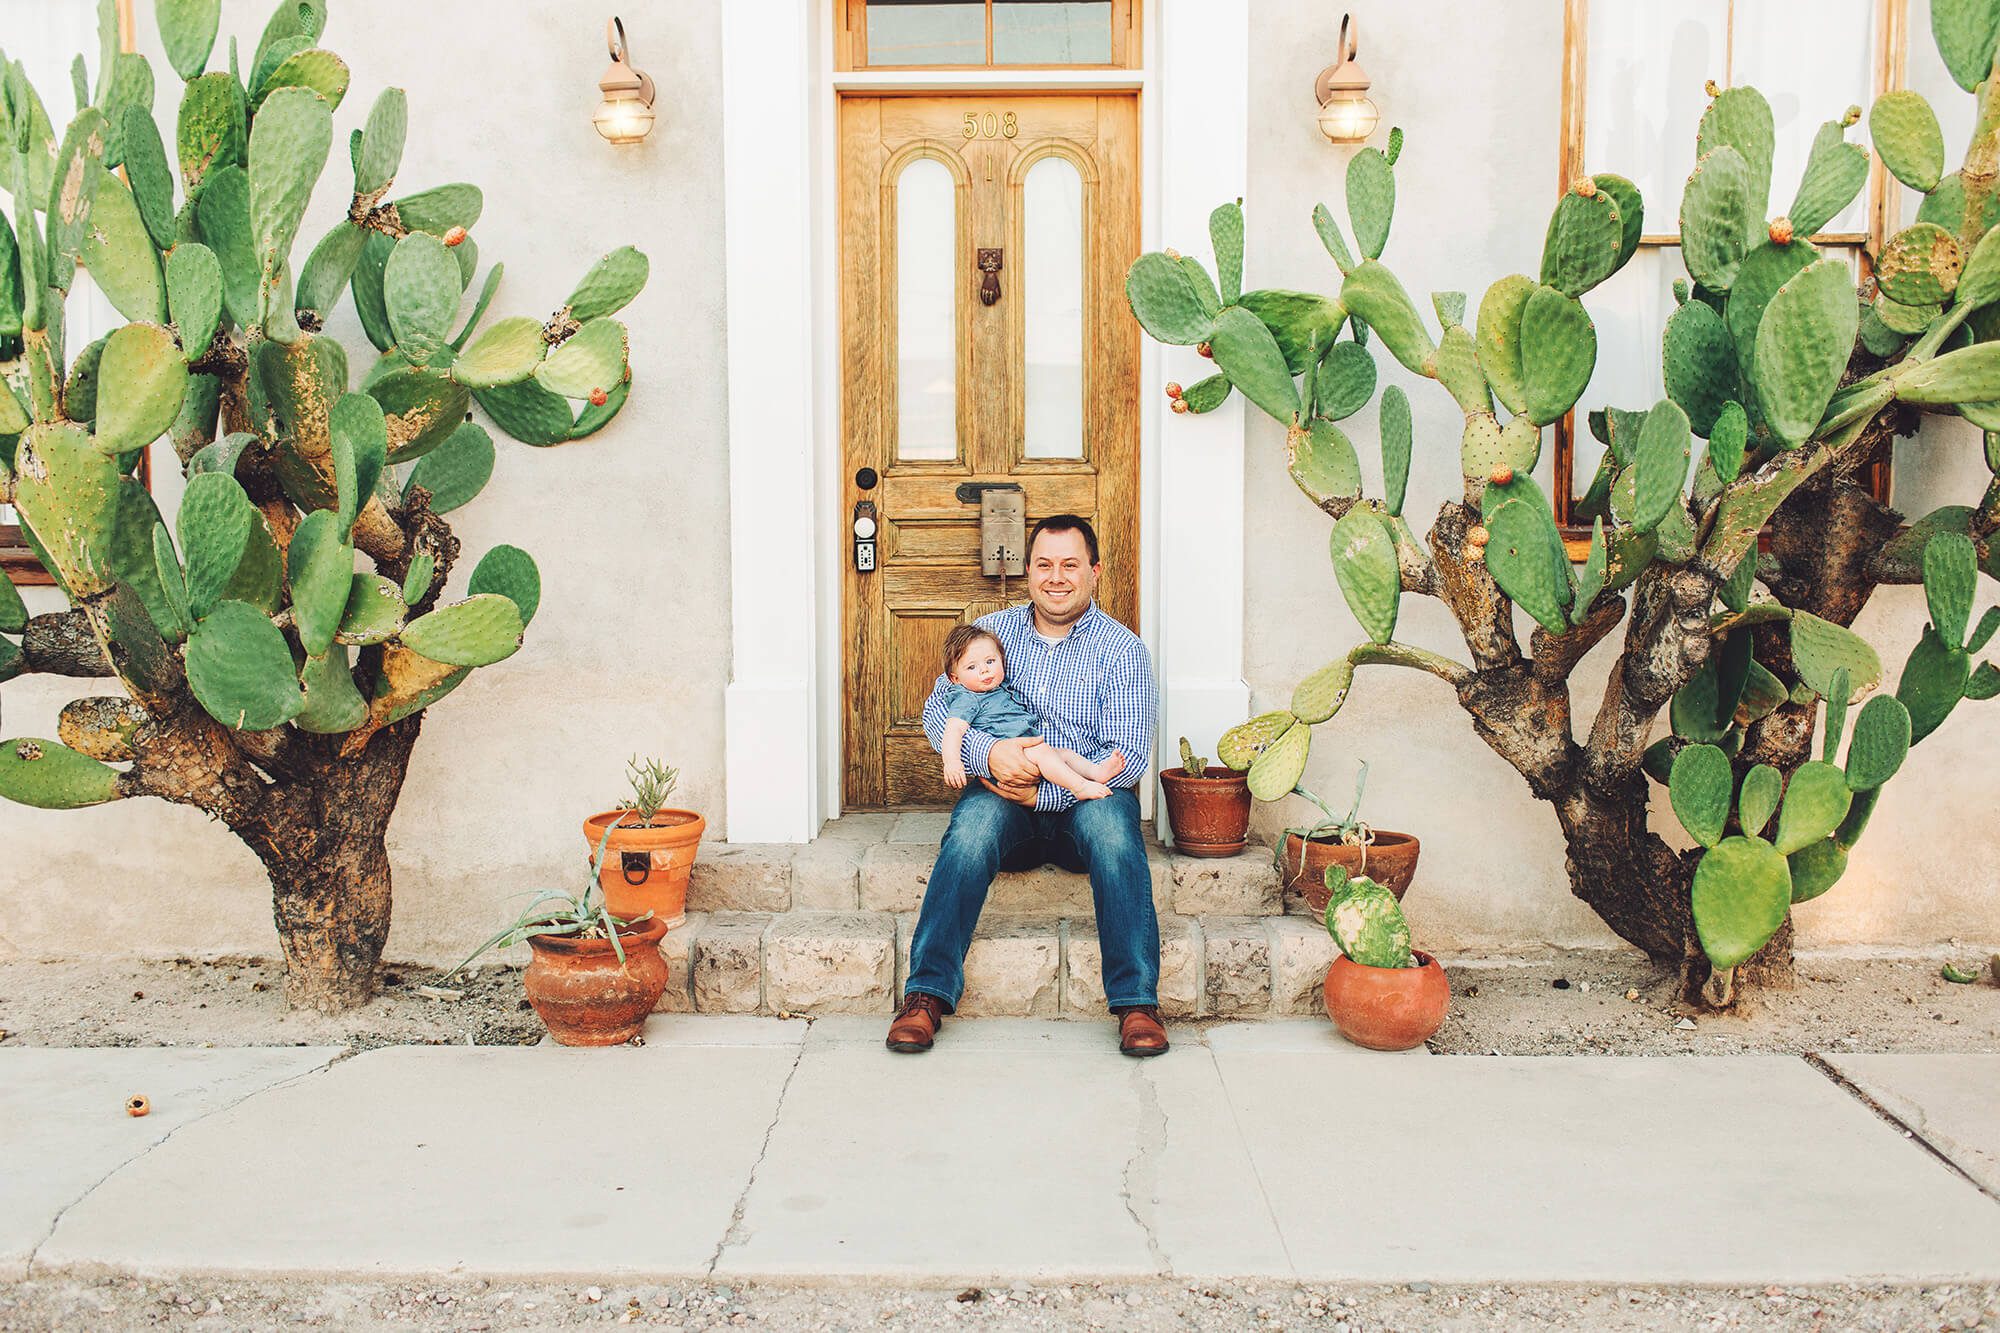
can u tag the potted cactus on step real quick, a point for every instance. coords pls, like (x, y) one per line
(1207, 805)
(651, 848)
(1305, 852)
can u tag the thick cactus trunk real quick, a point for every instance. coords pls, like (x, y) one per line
(322, 842)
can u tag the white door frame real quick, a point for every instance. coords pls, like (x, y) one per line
(787, 530)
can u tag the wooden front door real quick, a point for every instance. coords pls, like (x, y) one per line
(984, 242)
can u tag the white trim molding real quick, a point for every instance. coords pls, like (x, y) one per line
(767, 60)
(780, 101)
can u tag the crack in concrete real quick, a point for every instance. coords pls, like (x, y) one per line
(1250, 1157)
(735, 1235)
(1139, 1183)
(1914, 1133)
(28, 1267)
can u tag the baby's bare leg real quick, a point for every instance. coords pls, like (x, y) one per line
(1103, 770)
(1055, 765)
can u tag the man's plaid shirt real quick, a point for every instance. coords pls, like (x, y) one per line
(1094, 691)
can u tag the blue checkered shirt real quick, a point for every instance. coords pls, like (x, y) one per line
(1094, 691)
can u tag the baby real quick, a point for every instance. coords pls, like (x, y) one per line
(980, 697)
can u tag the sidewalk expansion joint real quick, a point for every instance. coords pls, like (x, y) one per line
(1270, 1211)
(1140, 1183)
(1914, 1133)
(28, 1268)
(736, 1235)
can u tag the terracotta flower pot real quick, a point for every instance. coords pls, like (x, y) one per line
(1387, 1008)
(582, 993)
(1391, 862)
(646, 869)
(1210, 814)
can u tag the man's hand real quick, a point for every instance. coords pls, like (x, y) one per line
(1020, 793)
(1010, 765)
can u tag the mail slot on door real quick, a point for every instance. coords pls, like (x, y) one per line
(1003, 531)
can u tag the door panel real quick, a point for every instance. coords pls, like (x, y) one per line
(1039, 386)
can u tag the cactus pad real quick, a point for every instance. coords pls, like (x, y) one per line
(1762, 787)
(1558, 353)
(1934, 679)
(1304, 323)
(1585, 238)
(1458, 370)
(456, 470)
(1322, 462)
(1660, 472)
(1396, 436)
(1920, 265)
(1525, 552)
(1835, 172)
(68, 492)
(510, 572)
(1373, 292)
(1951, 568)
(194, 296)
(1881, 740)
(288, 147)
(505, 352)
(1700, 363)
(420, 291)
(1499, 338)
(119, 252)
(1816, 800)
(1741, 119)
(1275, 771)
(1371, 200)
(421, 405)
(1968, 375)
(50, 775)
(332, 703)
(1720, 211)
(1345, 383)
(320, 569)
(1246, 351)
(214, 523)
(1742, 890)
(240, 669)
(482, 629)
(374, 611)
(594, 359)
(143, 379)
(1907, 137)
(1368, 925)
(1820, 648)
(1319, 696)
(1166, 301)
(1803, 342)
(1364, 563)
(1242, 743)
(1701, 785)
(1728, 435)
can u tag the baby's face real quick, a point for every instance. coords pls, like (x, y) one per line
(981, 667)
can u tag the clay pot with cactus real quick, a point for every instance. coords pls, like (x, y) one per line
(1207, 805)
(651, 849)
(1358, 848)
(1380, 992)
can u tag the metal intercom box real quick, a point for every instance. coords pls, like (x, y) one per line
(1003, 531)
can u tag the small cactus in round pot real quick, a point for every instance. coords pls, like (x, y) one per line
(1306, 851)
(1207, 805)
(1380, 992)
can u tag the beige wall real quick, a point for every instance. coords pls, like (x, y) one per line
(629, 652)
(1477, 94)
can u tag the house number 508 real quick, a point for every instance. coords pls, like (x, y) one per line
(991, 125)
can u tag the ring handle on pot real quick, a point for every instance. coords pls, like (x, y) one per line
(639, 861)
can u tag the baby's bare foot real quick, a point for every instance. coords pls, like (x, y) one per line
(1091, 791)
(1112, 764)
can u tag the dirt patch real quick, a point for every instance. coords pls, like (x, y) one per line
(1560, 1004)
(116, 1303)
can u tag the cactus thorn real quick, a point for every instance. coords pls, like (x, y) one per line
(1205, 350)
(1781, 231)
(1584, 186)
(454, 236)
(1500, 476)
(1173, 389)
(1478, 535)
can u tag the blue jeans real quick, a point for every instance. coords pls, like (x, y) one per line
(990, 833)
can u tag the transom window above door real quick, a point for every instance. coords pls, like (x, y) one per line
(975, 34)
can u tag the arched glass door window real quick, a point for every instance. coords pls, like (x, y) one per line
(926, 312)
(1052, 311)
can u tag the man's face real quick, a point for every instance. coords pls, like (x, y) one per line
(1061, 579)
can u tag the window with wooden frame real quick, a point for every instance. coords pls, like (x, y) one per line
(1634, 85)
(47, 54)
(987, 34)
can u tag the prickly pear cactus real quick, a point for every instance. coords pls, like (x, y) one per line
(1367, 923)
(1704, 537)
(241, 627)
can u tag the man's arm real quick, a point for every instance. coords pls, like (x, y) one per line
(1131, 704)
(977, 744)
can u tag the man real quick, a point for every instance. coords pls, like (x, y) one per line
(1091, 680)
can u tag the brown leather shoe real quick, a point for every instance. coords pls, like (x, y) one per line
(916, 1023)
(1140, 1031)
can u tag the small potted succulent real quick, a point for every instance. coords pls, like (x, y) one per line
(652, 847)
(1208, 806)
(594, 975)
(1380, 992)
(1305, 852)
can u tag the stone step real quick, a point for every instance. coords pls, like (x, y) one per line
(881, 863)
(815, 962)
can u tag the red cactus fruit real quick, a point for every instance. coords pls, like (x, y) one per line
(1205, 350)
(1478, 535)
(599, 398)
(1180, 405)
(1781, 231)
(1173, 389)
(1584, 186)
(454, 236)
(1500, 476)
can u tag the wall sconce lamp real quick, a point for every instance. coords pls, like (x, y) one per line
(626, 113)
(1345, 113)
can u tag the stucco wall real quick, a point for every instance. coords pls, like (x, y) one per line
(629, 652)
(1478, 96)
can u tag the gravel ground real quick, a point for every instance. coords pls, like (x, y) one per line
(126, 1303)
(1586, 1002)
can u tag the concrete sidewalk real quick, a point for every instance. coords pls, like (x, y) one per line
(1019, 1149)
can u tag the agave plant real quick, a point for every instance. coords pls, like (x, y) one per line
(1793, 380)
(278, 642)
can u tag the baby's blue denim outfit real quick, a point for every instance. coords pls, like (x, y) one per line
(998, 712)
